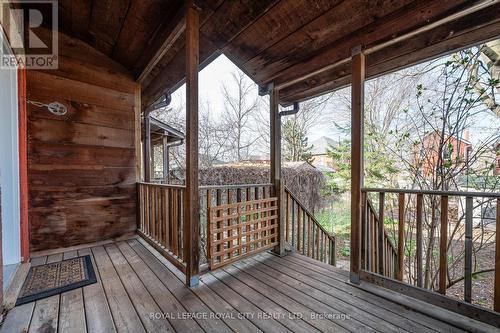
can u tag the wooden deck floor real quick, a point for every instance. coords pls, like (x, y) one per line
(139, 291)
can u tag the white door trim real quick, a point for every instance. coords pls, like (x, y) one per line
(9, 164)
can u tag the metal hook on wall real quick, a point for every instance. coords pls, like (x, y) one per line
(55, 108)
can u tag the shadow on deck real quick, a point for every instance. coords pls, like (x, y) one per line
(138, 290)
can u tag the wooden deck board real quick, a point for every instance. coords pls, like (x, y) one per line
(325, 284)
(184, 295)
(288, 303)
(124, 315)
(139, 290)
(163, 297)
(72, 309)
(340, 276)
(46, 312)
(97, 313)
(336, 300)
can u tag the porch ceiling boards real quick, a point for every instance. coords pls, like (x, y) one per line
(138, 290)
(303, 46)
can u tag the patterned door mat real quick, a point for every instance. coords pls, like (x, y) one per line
(54, 278)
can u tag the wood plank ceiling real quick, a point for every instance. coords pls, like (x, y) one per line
(302, 46)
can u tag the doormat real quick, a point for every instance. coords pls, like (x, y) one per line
(55, 278)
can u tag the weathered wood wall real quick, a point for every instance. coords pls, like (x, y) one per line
(82, 166)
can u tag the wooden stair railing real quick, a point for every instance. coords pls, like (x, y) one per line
(378, 253)
(304, 234)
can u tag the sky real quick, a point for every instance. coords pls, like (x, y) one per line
(211, 79)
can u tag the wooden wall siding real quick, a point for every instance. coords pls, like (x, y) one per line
(81, 165)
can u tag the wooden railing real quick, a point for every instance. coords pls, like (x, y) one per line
(303, 232)
(413, 208)
(378, 253)
(241, 229)
(216, 195)
(160, 219)
(236, 220)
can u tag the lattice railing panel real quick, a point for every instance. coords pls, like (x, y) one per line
(241, 229)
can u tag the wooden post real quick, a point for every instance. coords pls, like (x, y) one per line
(357, 112)
(496, 299)
(166, 161)
(443, 245)
(147, 147)
(275, 122)
(468, 250)
(191, 209)
(401, 237)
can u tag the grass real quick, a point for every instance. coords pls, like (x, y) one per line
(336, 219)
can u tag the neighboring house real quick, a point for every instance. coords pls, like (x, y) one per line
(162, 137)
(320, 158)
(428, 154)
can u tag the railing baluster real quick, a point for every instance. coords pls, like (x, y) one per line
(318, 247)
(175, 223)
(157, 220)
(146, 208)
(293, 224)
(419, 240)
(162, 215)
(468, 250)
(229, 198)
(140, 205)
(318, 243)
(209, 236)
(299, 227)
(368, 240)
(381, 205)
(240, 221)
(322, 255)
(364, 237)
(248, 228)
(401, 236)
(443, 245)
(374, 243)
(304, 231)
(496, 301)
(218, 202)
(287, 218)
(309, 236)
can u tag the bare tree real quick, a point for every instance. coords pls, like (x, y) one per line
(432, 144)
(240, 100)
(296, 128)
